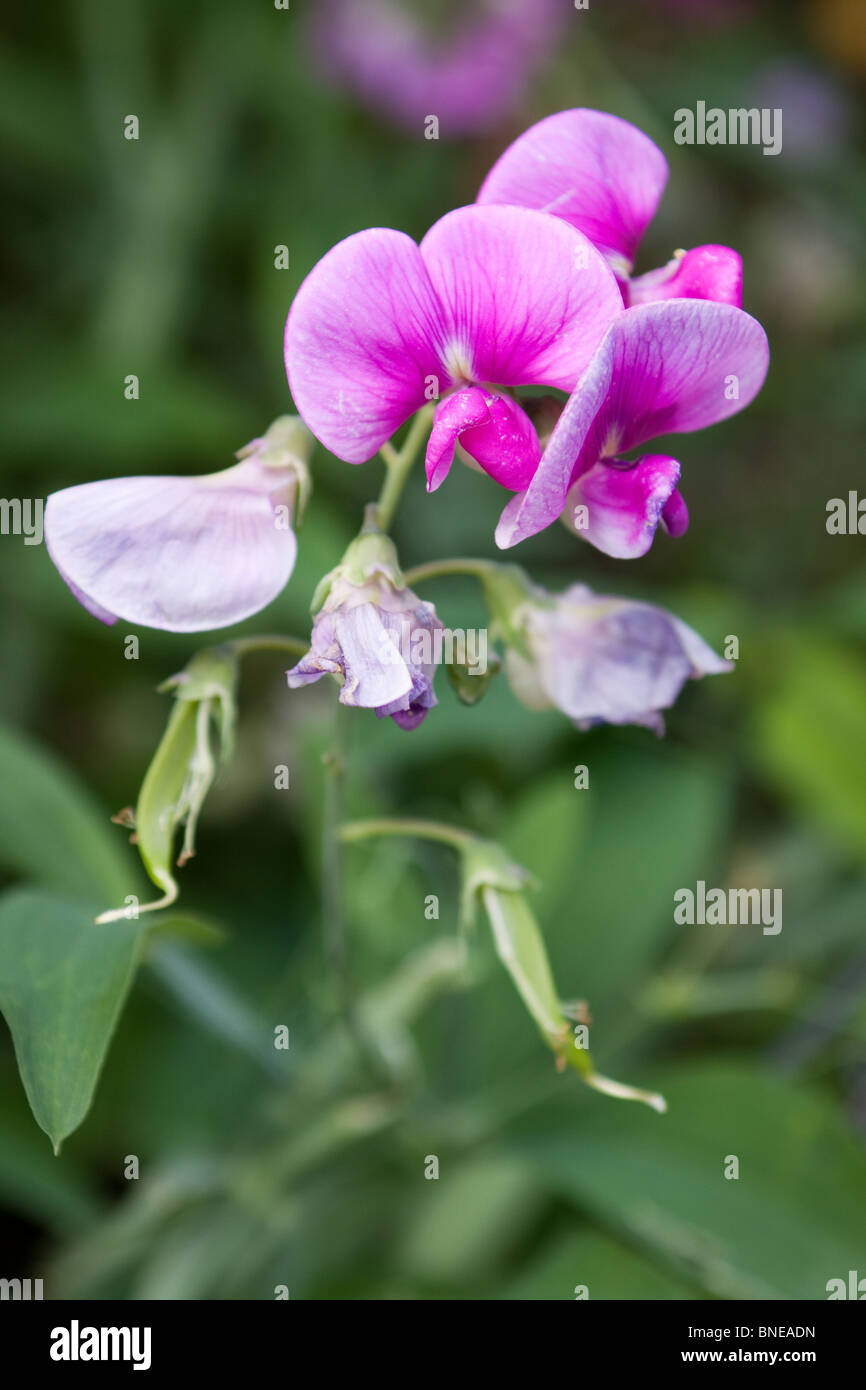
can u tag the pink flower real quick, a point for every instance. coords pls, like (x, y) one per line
(469, 75)
(605, 177)
(662, 368)
(493, 297)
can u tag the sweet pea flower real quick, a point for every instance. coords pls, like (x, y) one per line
(469, 74)
(605, 177)
(662, 368)
(602, 660)
(185, 554)
(373, 634)
(493, 297)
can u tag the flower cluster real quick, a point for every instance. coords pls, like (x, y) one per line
(531, 286)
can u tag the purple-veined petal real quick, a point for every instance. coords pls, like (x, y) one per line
(526, 298)
(678, 366)
(493, 429)
(544, 499)
(361, 342)
(598, 172)
(705, 272)
(180, 554)
(621, 506)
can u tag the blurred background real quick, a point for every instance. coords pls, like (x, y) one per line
(262, 127)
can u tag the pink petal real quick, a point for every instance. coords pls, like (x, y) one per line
(544, 499)
(678, 366)
(361, 340)
(596, 171)
(624, 505)
(525, 297)
(452, 415)
(492, 428)
(675, 515)
(706, 272)
(180, 554)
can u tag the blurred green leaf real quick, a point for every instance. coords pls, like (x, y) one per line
(593, 1260)
(789, 1223)
(51, 830)
(809, 736)
(63, 980)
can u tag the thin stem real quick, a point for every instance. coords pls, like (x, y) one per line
(269, 642)
(353, 831)
(334, 934)
(434, 568)
(398, 465)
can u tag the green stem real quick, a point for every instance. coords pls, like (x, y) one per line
(398, 464)
(269, 642)
(334, 934)
(353, 831)
(434, 568)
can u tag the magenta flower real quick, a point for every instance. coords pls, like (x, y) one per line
(493, 297)
(605, 177)
(469, 75)
(662, 368)
(184, 554)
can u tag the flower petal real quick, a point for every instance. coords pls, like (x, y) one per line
(544, 499)
(361, 342)
(375, 672)
(621, 506)
(598, 172)
(678, 366)
(493, 429)
(705, 272)
(614, 660)
(526, 298)
(180, 554)
(455, 413)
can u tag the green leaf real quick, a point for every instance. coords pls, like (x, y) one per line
(63, 980)
(791, 1221)
(604, 1268)
(51, 830)
(809, 738)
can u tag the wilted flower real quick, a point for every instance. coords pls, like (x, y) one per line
(661, 369)
(492, 295)
(605, 177)
(469, 74)
(185, 554)
(599, 659)
(373, 634)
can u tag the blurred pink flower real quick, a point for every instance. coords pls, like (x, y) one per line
(469, 74)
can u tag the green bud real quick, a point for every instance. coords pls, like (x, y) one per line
(469, 686)
(184, 766)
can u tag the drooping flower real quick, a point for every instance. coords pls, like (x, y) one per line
(605, 177)
(493, 297)
(373, 634)
(185, 554)
(468, 74)
(598, 659)
(662, 368)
